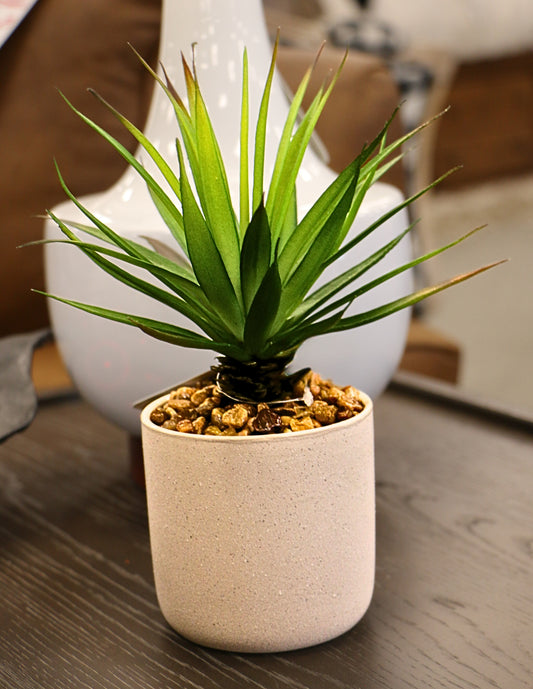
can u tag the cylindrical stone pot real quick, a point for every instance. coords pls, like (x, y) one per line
(262, 543)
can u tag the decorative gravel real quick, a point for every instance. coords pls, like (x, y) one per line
(205, 410)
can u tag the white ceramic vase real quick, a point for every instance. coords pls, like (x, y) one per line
(262, 543)
(115, 365)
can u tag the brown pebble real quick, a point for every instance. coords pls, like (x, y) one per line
(216, 416)
(199, 425)
(169, 424)
(302, 411)
(229, 431)
(212, 430)
(285, 410)
(314, 384)
(183, 408)
(236, 417)
(305, 424)
(201, 395)
(344, 414)
(350, 399)
(183, 393)
(331, 395)
(185, 426)
(207, 406)
(204, 410)
(323, 412)
(266, 421)
(158, 416)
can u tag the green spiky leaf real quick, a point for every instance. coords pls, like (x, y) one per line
(247, 277)
(255, 255)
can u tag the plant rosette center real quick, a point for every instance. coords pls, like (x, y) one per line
(203, 409)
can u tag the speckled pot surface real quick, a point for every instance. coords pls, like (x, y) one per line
(263, 543)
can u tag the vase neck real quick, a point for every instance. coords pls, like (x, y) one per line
(220, 30)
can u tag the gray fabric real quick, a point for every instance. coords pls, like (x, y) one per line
(18, 400)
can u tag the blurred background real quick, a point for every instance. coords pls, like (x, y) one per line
(476, 57)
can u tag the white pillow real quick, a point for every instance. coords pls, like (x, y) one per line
(468, 29)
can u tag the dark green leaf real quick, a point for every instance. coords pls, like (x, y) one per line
(163, 331)
(255, 255)
(308, 270)
(338, 283)
(262, 312)
(295, 250)
(402, 303)
(191, 309)
(295, 337)
(382, 219)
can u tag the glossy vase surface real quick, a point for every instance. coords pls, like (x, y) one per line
(115, 365)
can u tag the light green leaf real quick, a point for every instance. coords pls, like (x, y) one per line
(168, 252)
(244, 186)
(213, 191)
(206, 259)
(105, 233)
(290, 159)
(288, 129)
(260, 132)
(154, 187)
(173, 220)
(177, 266)
(152, 151)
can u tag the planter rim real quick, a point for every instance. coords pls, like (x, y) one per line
(267, 437)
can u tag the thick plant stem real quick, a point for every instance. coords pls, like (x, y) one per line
(256, 381)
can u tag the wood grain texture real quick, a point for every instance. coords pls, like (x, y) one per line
(453, 604)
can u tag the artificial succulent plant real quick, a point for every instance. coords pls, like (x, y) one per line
(246, 277)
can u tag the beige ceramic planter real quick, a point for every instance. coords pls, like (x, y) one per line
(262, 543)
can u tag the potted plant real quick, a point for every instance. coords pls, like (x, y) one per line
(260, 480)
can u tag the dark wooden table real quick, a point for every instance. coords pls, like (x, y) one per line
(453, 603)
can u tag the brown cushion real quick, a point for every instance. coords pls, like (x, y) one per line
(431, 353)
(71, 46)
